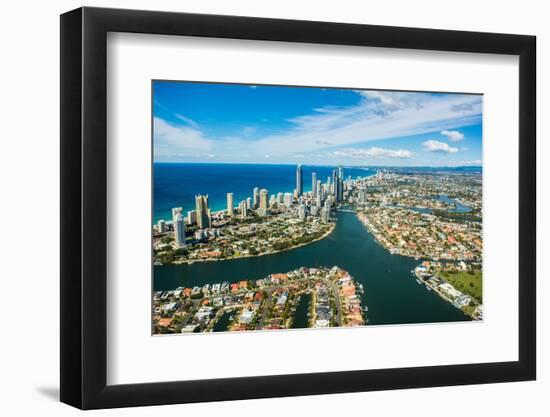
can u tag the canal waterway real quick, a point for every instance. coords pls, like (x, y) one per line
(301, 319)
(391, 293)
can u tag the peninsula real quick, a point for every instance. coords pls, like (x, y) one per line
(303, 298)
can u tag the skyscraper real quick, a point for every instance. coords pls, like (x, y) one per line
(313, 184)
(203, 214)
(302, 214)
(256, 197)
(299, 182)
(337, 179)
(325, 215)
(335, 183)
(161, 226)
(243, 208)
(363, 195)
(341, 172)
(287, 199)
(191, 217)
(264, 195)
(176, 211)
(179, 231)
(230, 206)
(264, 204)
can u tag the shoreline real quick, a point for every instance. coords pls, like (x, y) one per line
(426, 284)
(397, 251)
(364, 222)
(443, 296)
(255, 256)
(256, 306)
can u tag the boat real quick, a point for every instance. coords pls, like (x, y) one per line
(428, 287)
(419, 282)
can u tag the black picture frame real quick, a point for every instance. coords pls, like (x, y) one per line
(84, 207)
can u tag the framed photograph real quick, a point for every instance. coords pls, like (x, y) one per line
(258, 208)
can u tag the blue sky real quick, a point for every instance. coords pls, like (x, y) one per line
(202, 122)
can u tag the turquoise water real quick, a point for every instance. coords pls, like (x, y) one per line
(391, 293)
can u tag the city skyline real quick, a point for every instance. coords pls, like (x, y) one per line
(228, 123)
(426, 225)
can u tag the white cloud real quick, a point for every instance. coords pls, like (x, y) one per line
(436, 146)
(377, 116)
(168, 137)
(390, 101)
(187, 120)
(453, 135)
(374, 152)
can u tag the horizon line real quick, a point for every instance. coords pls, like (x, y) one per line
(319, 165)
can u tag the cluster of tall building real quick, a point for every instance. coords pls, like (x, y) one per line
(318, 203)
(201, 216)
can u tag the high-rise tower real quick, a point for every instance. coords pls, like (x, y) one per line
(230, 205)
(203, 214)
(256, 197)
(179, 230)
(264, 204)
(299, 182)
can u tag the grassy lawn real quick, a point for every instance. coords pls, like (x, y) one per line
(468, 283)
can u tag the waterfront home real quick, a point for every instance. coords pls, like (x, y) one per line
(164, 322)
